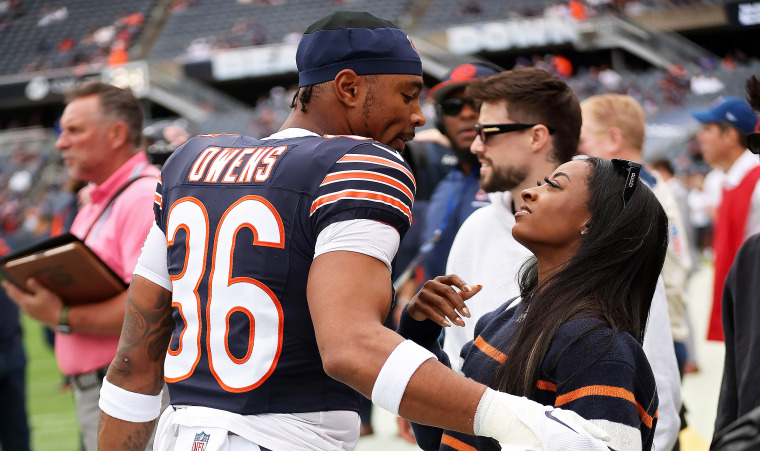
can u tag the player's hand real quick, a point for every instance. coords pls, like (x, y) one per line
(439, 301)
(37, 301)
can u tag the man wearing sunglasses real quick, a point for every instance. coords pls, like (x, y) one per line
(530, 123)
(723, 142)
(458, 194)
(739, 399)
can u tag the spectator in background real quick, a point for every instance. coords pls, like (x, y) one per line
(699, 214)
(458, 194)
(664, 168)
(577, 10)
(562, 66)
(118, 55)
(100, 143)
(706, 83)
(609, 79)
(613, 127)
(723, 141)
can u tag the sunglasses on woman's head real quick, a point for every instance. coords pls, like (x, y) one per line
(452, 107)
(632, 170)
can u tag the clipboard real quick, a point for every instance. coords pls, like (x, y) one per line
(65, 266)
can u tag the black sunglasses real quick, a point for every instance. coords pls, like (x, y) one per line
(486, 130)
(753, 142)
(452, 107)
(632, 170)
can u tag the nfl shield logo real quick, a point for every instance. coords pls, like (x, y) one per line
(200, 442)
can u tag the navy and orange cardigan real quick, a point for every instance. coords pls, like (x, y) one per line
(603, 378)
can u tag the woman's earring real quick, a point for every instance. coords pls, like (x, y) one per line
(583, 232)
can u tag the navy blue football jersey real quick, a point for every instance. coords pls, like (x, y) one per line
(241, 218)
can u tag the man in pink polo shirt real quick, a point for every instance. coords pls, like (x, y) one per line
(100, 143)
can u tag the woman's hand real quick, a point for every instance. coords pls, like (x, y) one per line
(439, 301)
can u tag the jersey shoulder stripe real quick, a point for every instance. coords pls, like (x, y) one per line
(366, 176)
(371, 196)
(377, 160)
(371, 176)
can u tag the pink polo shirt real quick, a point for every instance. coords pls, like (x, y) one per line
(117, 239)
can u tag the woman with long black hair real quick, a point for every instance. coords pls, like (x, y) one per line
(573, 338)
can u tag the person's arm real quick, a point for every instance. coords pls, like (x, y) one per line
(349, 296)
(45, 306)
(139, 363)
(658, 346)
(425, 332)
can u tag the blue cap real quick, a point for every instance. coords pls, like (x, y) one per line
(461, 76)
(354, 40)
(733, 110)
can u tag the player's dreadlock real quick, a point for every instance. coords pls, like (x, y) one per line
(304, 95)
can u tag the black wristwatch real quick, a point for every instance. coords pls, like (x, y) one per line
(63, 321)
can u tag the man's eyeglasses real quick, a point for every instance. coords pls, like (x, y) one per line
(452, 107)
(753, 142)
(632, 170)
(486, 130)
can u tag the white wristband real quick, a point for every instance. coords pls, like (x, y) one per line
(395, 374)
(128, 406)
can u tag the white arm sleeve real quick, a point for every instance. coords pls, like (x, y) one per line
(658, 347)
(519, 423)
(363, 236)
(152, 262)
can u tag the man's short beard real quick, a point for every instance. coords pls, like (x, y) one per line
(504, 179)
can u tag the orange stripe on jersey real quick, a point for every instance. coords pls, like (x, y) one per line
(456, 443)
(378, 160)
(546, 385)
(489, 350)
(367, 175)
(605, 390)
(356, 194)
(157, 198)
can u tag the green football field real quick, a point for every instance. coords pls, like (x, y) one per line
(52, 419)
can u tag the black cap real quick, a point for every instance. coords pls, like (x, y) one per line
(354, 40)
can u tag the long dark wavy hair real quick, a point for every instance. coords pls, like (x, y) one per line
(611, 277)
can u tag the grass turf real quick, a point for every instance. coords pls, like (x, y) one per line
(51, 414)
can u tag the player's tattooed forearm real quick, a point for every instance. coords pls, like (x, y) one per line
(135, 440)
(150, 326)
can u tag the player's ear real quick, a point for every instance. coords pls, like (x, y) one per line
(348, 86)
